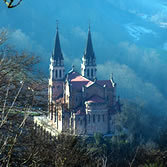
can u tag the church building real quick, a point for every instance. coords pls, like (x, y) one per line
(79, 103)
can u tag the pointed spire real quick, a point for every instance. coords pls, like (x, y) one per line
(57, 54)
(88, 66)
(73, 67)
(57, 25)
(112, 80)
(89, 53)
(72, 70)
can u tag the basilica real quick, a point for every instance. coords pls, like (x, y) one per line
(78, 102)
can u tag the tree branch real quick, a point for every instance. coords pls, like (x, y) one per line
(10, 3)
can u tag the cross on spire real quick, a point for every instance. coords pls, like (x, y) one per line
(57, 25)
(89, 25)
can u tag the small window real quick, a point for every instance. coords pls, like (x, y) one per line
(81, 122)
(60, 74)
(88, 72)
(53, 73)
(110, 117)
(98, 118)
(56, 73)
(55, 116)
(52, 115)
(89, 118)
(92, 72)
(94, 119)
(103, 118)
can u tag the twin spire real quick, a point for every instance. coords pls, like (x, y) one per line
(89, 52)
(88, 66)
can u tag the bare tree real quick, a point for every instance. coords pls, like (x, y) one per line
(16, 75)
(3, 36)
(17, 67)
(12, 3)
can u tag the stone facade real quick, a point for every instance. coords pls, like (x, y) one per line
(79, 103)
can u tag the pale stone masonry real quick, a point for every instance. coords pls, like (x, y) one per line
(79, 103)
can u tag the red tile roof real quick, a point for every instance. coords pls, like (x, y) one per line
(89, 83)
(80, 111)
(74, 77)
(78, 81)
(78, 85)
(95, 99)
(60, 100)
(108, 83)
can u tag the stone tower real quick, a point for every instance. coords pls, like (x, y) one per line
(88, 66)
(57, 72)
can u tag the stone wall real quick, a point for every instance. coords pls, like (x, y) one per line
(79, 125)
(94, 90)
(97, 118)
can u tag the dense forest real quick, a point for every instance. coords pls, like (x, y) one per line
(140, 137)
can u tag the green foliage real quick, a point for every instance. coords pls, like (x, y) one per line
(135, 121)
(153, 165)
(64, 150)
(98, 138)
(162, 139)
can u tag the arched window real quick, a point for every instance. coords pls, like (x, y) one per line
(94, 118)
(53, 74)
(103, 118)
(55, 115)
(60, 74)
(88, 72)
(93, 61)
(56, 73)
(52, 114)
(92, 72)
(98, 118)
(88, 118)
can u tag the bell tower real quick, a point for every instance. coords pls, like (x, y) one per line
(88, 66)
(57, 72)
